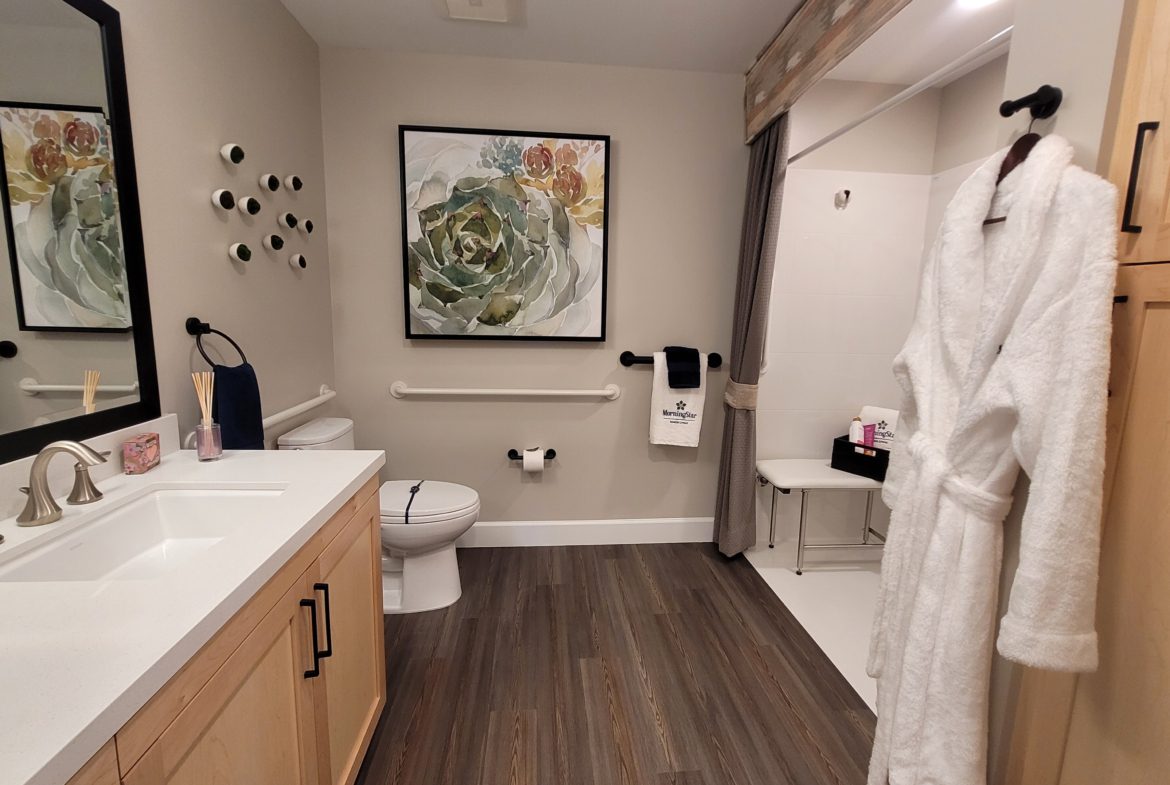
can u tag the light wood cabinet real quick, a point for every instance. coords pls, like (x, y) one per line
(271, 698)
(352, 690)
(1139, 160)
(1111, 726)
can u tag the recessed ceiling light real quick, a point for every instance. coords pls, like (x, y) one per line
(975, 4)
(482, 10)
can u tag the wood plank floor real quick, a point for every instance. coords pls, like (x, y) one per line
(613, 665)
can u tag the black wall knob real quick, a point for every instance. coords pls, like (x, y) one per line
(270, 182)
(8, 350)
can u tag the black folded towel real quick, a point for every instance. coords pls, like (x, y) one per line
(237, 407)
(682, 367)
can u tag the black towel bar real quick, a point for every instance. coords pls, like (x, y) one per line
(714, 359)
(200, 329)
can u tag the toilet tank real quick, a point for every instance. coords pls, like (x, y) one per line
(324, 433)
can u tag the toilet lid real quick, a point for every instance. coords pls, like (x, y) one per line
(434, 500)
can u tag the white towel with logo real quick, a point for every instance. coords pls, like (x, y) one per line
(676, 416)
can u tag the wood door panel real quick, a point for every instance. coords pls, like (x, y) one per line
(353, 687)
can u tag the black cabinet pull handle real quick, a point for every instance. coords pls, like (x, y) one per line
(316, 669)
(1139, 143)
(328, 651)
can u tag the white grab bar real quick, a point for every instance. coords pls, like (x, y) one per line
(325, 394)
(30, 386)
(611, 392)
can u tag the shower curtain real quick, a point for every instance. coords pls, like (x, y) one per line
(735, 505)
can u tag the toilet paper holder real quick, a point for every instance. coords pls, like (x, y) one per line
(516, 455)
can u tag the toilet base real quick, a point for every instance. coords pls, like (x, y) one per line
(424, 582)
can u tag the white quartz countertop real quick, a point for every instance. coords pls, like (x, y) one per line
(79, 658)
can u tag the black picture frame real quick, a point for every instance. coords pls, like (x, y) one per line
(6, 205)
(413, 336)
(19, 444)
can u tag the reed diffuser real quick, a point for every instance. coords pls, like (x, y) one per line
(208, 441)
(89, 390)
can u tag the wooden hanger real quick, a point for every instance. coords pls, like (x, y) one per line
(1043, 103)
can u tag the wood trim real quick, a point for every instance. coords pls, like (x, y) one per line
(102, 768)
(819, 42)
(160, 711)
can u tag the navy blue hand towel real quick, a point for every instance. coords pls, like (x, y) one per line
(682, 367)
(237, 407)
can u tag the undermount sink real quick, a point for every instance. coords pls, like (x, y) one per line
(145, 537)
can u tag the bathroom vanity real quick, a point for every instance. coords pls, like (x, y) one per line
(202, 623)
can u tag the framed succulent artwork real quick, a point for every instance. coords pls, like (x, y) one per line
(61, 219)
(504, 234)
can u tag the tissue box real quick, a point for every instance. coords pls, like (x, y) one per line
(141, 453)
(847, 458)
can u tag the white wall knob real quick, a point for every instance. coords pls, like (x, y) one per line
(298, 261)
(249, 205)
(306, 226)
(240, 252)
(293, 183)
(287, 219)
(273, 242)
(232, 153)
(223, 199)
(269, 182)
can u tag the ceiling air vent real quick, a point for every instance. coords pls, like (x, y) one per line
(482, 10)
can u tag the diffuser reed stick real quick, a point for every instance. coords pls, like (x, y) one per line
(89, 390)
(205, 393)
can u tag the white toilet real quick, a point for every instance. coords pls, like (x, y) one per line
(419, 568)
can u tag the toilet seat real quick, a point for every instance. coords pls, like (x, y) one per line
(436, 501)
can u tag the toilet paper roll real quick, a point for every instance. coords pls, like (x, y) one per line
(534, 460)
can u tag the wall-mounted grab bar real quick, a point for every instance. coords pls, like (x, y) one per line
(611, 392)
(324, 394)
(30, 386)
(627, 358)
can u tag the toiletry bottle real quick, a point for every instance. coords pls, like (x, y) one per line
(856, 431)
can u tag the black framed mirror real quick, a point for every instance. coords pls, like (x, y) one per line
(73, 288)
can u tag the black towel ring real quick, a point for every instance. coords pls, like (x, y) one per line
(200, 329)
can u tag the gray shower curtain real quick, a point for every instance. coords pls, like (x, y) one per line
(735, 505)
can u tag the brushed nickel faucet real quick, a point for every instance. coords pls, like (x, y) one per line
(41, 507)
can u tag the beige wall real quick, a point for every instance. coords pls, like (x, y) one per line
(202, 74)
(899, 141)
(676, 190)
(968, 117)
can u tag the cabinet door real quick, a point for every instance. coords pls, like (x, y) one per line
(253, 722)
(352, 690)
(1145, 98)
(1111, 726)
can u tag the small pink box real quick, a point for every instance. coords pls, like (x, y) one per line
(141, 453)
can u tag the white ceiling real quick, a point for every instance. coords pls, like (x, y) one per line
(925, 36)
(697, 35)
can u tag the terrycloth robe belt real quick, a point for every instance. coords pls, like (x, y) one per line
(741, 396)
(935, 466)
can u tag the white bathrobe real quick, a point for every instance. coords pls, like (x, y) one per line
(1005, 367)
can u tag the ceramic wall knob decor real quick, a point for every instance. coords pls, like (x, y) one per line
(273, 242)
(306, 226)
(232, 153)
(293, 183)
(223, 199)
(249, 205)
(287, 219)
(240, 252)
(298, 261)
(269, 182)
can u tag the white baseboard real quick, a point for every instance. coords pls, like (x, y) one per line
(622, 531)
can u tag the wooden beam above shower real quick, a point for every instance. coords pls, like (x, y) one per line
(817, 37)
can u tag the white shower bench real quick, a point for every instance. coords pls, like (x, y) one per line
(815, 474)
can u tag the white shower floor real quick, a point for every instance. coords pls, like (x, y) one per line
(834, 600)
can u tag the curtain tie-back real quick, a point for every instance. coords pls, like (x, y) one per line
(741, 396)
